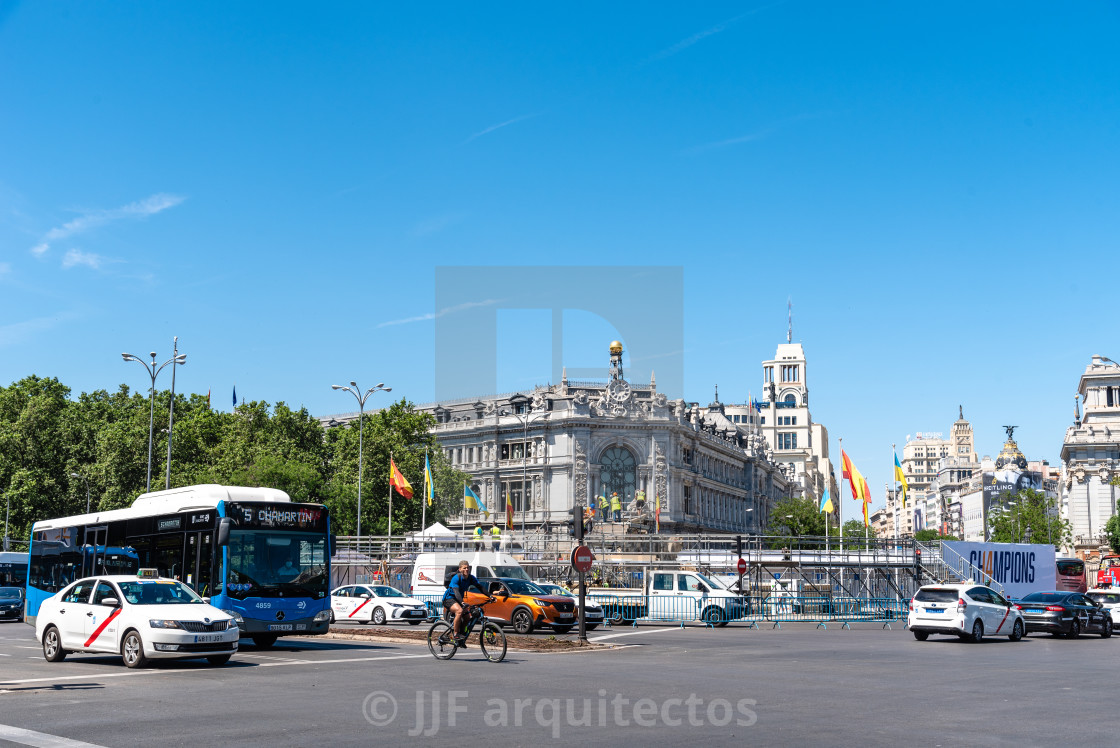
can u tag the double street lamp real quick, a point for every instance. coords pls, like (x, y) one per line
(354, 390)
(153, 372)
(524, 419)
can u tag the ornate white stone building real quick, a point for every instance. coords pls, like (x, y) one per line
(1091, 455)
(784, 420)
(567, 443)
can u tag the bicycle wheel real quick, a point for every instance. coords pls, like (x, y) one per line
(441, 641)
(493, 642)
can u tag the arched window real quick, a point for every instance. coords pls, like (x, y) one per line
(619, 473)
(791, 399)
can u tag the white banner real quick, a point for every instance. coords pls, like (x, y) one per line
(1021, 568)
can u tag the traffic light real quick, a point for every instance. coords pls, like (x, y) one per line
(575, 523)
(917, 558)
(738, 546)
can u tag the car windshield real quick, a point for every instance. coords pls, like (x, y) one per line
(555, 589)
(512, 572)
(1046, 597)
(521, 587)
(158, 592)
(10, 593)
(1108, 598)
(270, 563)
(937, 595)
(385, 591)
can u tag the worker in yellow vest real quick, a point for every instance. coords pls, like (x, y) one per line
(495, 537)
(478, 536)
(616, 507)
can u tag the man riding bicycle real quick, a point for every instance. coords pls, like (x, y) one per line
(454, 599)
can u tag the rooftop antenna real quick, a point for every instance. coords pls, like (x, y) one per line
(789, 332)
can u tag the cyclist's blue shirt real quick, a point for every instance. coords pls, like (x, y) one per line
(461, 584)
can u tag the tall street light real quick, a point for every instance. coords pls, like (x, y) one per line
(524, 419)
(176, 358)
(361, 398)
(153, 372)
(78, 475)
(7, 502)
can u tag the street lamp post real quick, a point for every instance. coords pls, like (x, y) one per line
(7, 502)
(153, 372)
(524, 458)
(361, 398)
(86, 481)
(176, 358)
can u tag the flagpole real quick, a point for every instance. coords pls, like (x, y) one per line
(389, 542)
(840, 505)
(427, 488)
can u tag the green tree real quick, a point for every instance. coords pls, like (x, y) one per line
(795, 515)
(1027, 516)
(1112, 531)
(926, 536)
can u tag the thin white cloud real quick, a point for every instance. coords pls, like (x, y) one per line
(750, 137)
(500, 125)
(440, 313)
(684, 44)
(437, 224)
(149, 206)
(18, 332)
(75, 257)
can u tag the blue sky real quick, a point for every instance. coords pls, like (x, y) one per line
(934, 186)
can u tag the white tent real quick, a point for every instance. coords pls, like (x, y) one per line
(435, 532)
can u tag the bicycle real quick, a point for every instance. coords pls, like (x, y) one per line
(491, 640)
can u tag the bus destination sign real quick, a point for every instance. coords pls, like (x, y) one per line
(279, 516)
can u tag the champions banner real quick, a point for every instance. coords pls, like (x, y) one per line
(1021, 568)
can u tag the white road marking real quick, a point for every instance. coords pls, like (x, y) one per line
(632, 633)
(4, 655)
(40, 739)
(90, 676)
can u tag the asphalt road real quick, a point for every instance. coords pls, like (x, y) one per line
(662, 686)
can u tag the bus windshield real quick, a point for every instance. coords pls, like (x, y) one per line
(270, 563)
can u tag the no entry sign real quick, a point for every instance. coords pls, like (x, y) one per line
(582, 558)
(742, 566)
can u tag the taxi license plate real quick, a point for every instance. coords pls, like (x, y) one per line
(934, 610)
(1032, 610)
(280, 627)
(206, 638)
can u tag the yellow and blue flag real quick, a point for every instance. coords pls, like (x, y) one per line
(826, 503)
(429, 484)
(471, 501)
(901, 478)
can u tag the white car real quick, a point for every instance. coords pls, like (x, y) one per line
(141, 617)
(970, 611)
(593, 613)
(376, 604)
(1109, 598)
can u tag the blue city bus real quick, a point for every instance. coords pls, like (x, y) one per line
(252, 552)
(13, 569)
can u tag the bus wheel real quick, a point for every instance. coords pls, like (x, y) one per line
(264, 641)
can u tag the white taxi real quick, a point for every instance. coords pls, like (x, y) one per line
(376, 604)
(142, 617)
(968, 610)
(1109, 598)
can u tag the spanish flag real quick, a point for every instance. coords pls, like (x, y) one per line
(397, 481)
(509, 512)
(855, 479)
(866, 520)
(657, 516)
(901, 478)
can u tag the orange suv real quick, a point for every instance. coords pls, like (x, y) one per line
(525, 606)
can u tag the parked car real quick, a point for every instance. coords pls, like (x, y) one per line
(1109, 598)
(969, 611)
(11, 603)
(375, 603)
(593, 612)
(1063, 613)
(142, 618)
(525, 606)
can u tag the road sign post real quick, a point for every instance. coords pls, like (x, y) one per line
(742, 567)
(581, 562)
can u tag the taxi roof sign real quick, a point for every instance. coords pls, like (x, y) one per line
(148, 573)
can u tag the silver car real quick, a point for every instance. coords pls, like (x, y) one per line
(593, 612)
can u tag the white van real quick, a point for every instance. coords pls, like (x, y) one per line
(431, 569)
